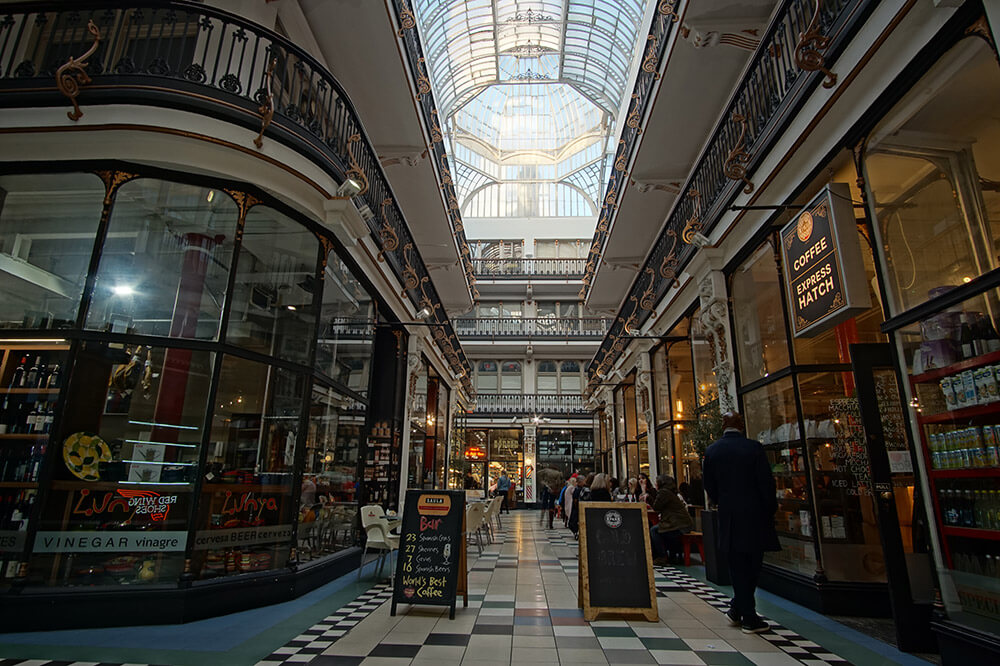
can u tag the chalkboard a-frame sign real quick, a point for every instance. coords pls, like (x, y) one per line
(431, 567)
(616, 563)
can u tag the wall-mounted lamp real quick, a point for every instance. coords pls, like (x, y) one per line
(423, 313)
(349, 188)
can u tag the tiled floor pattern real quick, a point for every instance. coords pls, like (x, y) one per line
(523, 610)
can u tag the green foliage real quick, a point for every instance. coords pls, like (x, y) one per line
(706, 429)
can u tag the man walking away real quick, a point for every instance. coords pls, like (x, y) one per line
(552, 483)
(503, 488)
(738, 480)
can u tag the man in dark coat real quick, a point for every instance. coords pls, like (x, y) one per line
(738, 480)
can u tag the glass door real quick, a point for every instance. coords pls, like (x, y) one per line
(892, 486)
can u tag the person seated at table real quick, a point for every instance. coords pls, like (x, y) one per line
(665, 537)
(599, 489)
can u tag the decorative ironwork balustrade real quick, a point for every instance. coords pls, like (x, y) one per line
(182, 54)
(414, 54)
(529, 404)
(793, 57)
(511, 268)
(578, 328)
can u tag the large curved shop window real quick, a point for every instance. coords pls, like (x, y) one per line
(249, 471)
(347, 315)
(47, 229)
(276, 278)
(165, 263)
(122, 485)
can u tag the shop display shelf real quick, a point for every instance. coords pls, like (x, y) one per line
(115, 485)
(29, 391)
(971, 533)
(968, 364)
(974, 473)
(798, 536)
(19, 484)
(964, 414)
(246, 487)
(24, 435)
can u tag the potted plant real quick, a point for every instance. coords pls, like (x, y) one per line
(707, 429)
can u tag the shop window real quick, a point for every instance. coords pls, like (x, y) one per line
(570, 378)
(761, 337)
(276, 279)
(772, 419)
(128, 451)
(487, 377)
(703, 362)
(562, 249)
(328, 509)
(47, 229)
(837, 448)
(501, 309)
(344, 347)
(249, 469)
(510, 377)
(933, 169)
(165, 264)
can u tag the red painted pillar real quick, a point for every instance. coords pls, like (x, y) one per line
(183, 324)
(847, 334)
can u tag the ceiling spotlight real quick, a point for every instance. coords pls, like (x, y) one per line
(423, 313)
(349, 188)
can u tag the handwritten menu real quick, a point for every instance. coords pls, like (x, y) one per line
(431, 562)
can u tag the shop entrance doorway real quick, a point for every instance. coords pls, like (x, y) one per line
(894, 494)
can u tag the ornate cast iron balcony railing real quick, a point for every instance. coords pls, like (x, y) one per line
(500, 269)
(580, 328)
(186, 55)
(793, 57)
(529, 404)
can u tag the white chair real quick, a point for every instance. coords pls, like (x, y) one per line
(474, 514)
(492, 512)
(376, 511)
(378, 537)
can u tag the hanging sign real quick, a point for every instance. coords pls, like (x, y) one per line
(824, 272)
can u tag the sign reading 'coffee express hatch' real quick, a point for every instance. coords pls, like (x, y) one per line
(824, 273)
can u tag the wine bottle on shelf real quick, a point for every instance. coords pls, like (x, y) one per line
(43, 376)
(17, 380)
(49, 418)
(966, 338)
(31, 379)
(32, 422)
(55, 377)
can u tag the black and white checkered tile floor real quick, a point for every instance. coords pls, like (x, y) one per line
(499, 617)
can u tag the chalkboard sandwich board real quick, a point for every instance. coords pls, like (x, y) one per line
(616, 563)
(431, 567)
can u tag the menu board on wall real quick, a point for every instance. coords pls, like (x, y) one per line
(431, 567)
(824, 272)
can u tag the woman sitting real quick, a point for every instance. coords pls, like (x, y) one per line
(600, 489)
(665, 538)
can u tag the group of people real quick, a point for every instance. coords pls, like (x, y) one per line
(669, 515)
(740, 485)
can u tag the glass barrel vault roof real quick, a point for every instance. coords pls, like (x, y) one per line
(529, 92)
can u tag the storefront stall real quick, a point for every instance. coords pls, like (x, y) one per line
(932, 168)
(186, 371)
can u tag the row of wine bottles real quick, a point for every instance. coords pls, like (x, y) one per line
(40, 375)
(15, 507)
(20, 464)
(25, 417)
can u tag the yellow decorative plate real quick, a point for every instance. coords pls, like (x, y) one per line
(83, 452)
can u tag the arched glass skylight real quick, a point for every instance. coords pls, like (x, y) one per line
(528, 91)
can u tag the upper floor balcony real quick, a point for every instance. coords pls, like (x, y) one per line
(516, 268)
(529, 404)
(540, 328)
